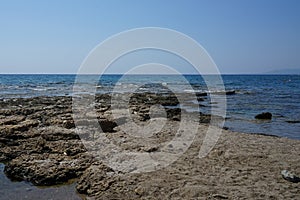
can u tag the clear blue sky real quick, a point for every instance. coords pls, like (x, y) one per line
(242, 36)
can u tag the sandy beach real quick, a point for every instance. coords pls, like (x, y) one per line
(39, 144)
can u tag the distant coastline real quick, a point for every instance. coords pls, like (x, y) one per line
(274, 72)
(294, 71)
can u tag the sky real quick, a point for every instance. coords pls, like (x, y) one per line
(241, 36)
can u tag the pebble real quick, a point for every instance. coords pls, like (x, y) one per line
(290, 176)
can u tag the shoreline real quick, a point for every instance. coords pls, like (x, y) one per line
(14, 189)
(249, 124)
(39, 144)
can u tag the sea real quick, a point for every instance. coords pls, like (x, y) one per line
(254, 94)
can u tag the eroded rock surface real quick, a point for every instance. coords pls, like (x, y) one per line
(39, 143)
(38, 140)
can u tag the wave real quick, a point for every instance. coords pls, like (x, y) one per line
(44, 89)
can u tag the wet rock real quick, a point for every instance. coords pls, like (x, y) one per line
(205, 118)
(266, 134)
(293, 121)
(201, 94)
(264, 115)
(229, 92)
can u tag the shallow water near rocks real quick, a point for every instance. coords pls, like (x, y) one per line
(24, 190)
(254, 94)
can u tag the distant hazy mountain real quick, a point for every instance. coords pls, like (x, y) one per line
(285, 71)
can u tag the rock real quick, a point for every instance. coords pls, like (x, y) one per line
(17, 131)
(293, 121)
(47, 169)
(264, 115)
(168, 101)
(11, 120)
(139, 191)
(25, 125)
(174, 113)
(107, 125)
(68, 124)
(290, 176)
(205, 118)
(149, 149)
(94, 179)
(38, 143)
(266, 134)
(219, 196)
(54, 133)
(229, 92)
(201, 94)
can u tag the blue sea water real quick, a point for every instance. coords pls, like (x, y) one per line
(278, 94)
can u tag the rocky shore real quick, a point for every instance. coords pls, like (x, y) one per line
(39, 144)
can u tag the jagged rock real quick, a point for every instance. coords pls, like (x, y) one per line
(38, 144)
(17, 131)
(264, 115)
(94, 178)
(54, 133)
(11, 120)
(47, 169)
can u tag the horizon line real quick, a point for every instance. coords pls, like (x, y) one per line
(265, 73)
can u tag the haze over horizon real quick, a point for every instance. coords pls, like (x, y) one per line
(241, 36)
